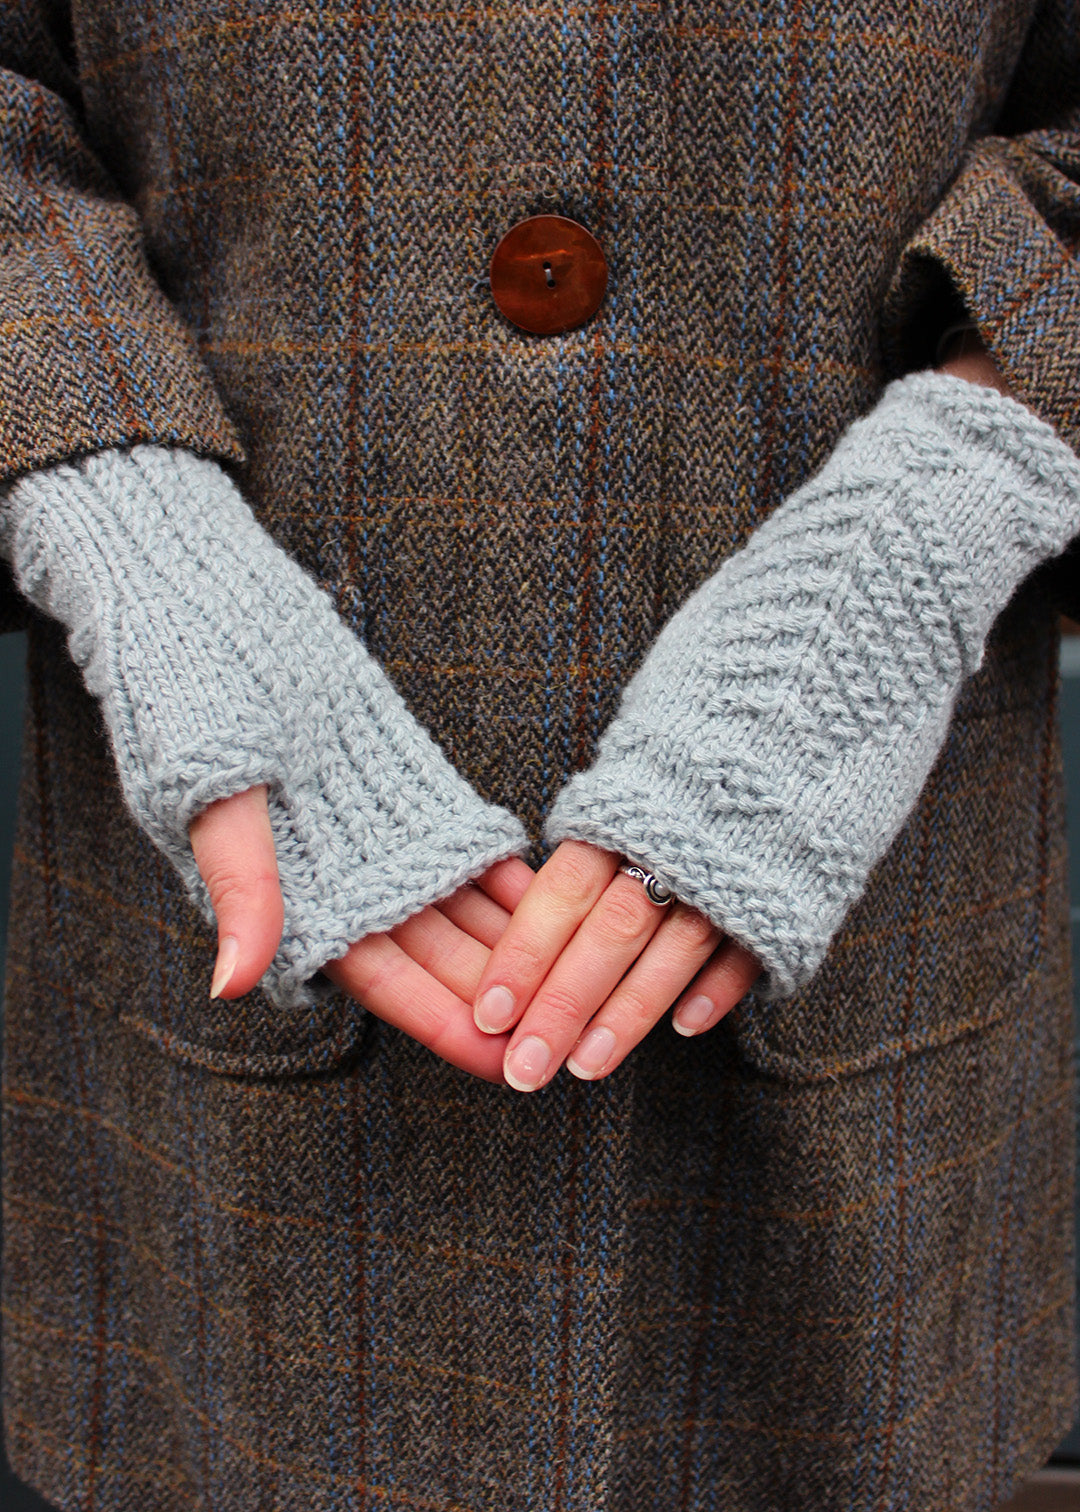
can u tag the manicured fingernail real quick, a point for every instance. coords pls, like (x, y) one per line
(693, 1016)
(494, 1010)
(228, 952)
(526, 1064)
(590, 1057)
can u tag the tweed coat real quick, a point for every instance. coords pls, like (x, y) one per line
(819, 1259)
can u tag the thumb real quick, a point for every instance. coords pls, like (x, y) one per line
(233, 847)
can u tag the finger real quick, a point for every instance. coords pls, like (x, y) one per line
(475, 913)
(584, 976)
(673, 957)
(449, 954)
(727, 977)
(233, 847)
(560, 896)
(507, 881)
(379, 974)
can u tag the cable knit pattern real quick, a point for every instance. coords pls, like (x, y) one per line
(219, 664)
(778, 733)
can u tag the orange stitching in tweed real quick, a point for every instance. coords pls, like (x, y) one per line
(73, 1450)
(535, 354)
(569, 1269)
(969, 911)
(770, 36)
(397, 185)
(776, 38)
(124, 321)
(842, 1436)
(1050, 750)
(15, 1097)
(558, 524)
(120, 906)
(93, 316)
(401, 183)
(34, 1326)
(214, 1425)
(1068, 252)
(806, 1325)
(899, 1144)
(167, 1039)
(115, 905)
(1060, 1092)
(45, 829)
(447, 1253)
(89, 310)
(790, 190)
(237, 1323)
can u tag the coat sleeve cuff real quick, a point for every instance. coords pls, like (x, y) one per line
(999, 250)
(992, 251)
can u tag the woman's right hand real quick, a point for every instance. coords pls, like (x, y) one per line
(421, 976)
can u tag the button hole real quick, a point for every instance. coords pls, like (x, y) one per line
(550, 279)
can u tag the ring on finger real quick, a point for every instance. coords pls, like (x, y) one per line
(655, 890)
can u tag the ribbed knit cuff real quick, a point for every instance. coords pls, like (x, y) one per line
(220, 664)
(778, 734)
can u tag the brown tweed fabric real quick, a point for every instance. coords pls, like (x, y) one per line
(821, 1259)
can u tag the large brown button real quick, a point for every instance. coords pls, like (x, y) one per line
(548, 274)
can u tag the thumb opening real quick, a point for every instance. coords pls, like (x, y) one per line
(233, 846)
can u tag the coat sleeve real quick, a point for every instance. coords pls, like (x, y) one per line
(1002, 249)
(92, 354)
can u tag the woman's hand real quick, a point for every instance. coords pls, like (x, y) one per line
(422, 976)
(587, 965)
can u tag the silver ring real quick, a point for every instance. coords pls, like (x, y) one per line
(655, 890)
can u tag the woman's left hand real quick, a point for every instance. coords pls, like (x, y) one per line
(587, 966)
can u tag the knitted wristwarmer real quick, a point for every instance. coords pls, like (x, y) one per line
(220, 664)
(780, 729)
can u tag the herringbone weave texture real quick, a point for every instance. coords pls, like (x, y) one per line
(284, 1258)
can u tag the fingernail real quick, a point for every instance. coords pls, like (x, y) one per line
(590, 1057)
(228, 952)
(526, 1064)
(494, 1010)
(693, 1016)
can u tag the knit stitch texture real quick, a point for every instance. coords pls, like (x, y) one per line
(779, 731)
(220, 664)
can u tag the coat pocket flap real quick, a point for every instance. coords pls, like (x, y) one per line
(252, 1037)
(756, 1048)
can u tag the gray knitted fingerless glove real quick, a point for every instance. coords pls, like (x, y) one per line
(778, 733)
(220, 664)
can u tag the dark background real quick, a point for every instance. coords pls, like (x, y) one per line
(14, 1497)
